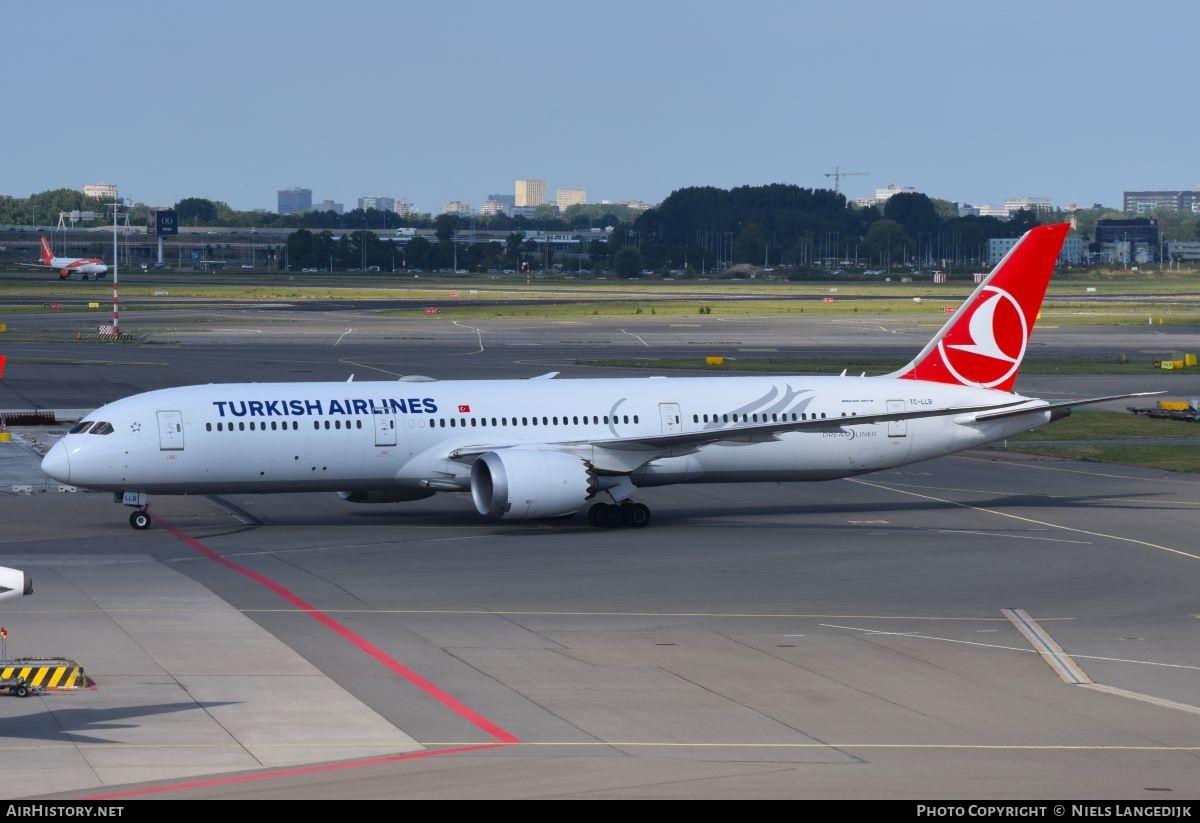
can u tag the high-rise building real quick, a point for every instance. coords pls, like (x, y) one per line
(891, 190)
(1033, 204)
(402, 207)
(456, 207)
(105, 191)
(530, 193)
(294, 200)
(377, 203)
(329, 205)
(1141, 202)
(565, 198)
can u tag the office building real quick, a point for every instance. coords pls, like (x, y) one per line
(329, 205)
(530, 193)
(565, 198)
(294, 200)
(1143, 202)
(456, 207)
(377, 203)
(105, 191)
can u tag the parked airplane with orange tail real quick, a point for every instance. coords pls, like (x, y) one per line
(541, 448)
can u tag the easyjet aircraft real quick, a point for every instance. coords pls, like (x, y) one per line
(542, 447)
(66, 265)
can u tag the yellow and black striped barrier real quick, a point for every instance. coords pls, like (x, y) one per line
(53, 673)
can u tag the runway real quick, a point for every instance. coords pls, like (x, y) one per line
(842, 639)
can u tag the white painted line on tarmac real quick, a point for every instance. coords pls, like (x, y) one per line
(1011, 536)
(1144, 698)
(1133, 540)
(346, 332)
(639, 339)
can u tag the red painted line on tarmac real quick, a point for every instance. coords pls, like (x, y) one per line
(447, 700)
(327, 767)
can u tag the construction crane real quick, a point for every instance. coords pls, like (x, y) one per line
(837, 174)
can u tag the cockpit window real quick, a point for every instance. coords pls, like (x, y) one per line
(103, 428)
(81, 426)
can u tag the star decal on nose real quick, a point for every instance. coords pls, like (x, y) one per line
(135, 427)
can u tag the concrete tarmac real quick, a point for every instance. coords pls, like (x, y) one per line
(840, 639)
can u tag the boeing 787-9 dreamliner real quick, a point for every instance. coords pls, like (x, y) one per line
(543, 448)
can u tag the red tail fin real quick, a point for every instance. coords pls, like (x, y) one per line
(47, 255)
(2, 359)
(983, 343)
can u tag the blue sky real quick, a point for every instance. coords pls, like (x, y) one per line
(970, 101)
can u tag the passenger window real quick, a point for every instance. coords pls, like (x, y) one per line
(326, 425)
(317, 424)
(251, 425)
(208, 427)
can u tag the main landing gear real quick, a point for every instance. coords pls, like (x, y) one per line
(616, 515)
(140, 502)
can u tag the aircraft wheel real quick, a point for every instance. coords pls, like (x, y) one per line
(637, 515)
(612, 517)
(140, 520)
(596, 514)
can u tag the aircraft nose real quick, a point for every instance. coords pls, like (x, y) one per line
(57, 464)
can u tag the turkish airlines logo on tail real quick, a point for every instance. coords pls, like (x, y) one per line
(984, 348)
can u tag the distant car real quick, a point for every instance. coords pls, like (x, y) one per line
(247, 266)
(308, 271)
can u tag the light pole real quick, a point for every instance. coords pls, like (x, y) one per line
(363, 245)
(116, 300)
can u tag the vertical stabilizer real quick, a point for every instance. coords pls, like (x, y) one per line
(984, 342)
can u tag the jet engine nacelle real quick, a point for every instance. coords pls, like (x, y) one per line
(524, 484)
(14, 583)
(386, 496)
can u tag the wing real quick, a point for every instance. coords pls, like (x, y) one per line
(1058, 410)
(620, 455)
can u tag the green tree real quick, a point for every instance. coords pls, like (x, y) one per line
(886, 241)
(1022, 221)
(751, 245)
(914, 211)
(195, 211)
(445, 225)
(628, 262)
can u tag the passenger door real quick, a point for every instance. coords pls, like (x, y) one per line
(170, 431)
(896, 428)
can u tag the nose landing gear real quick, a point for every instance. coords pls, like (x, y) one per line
(140, 519)
(139, 501)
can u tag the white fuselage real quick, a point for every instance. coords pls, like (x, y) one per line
(82, 265)
(276, 437)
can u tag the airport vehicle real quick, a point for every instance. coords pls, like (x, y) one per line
(18, 687)
(542, 448)
(65, 266)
